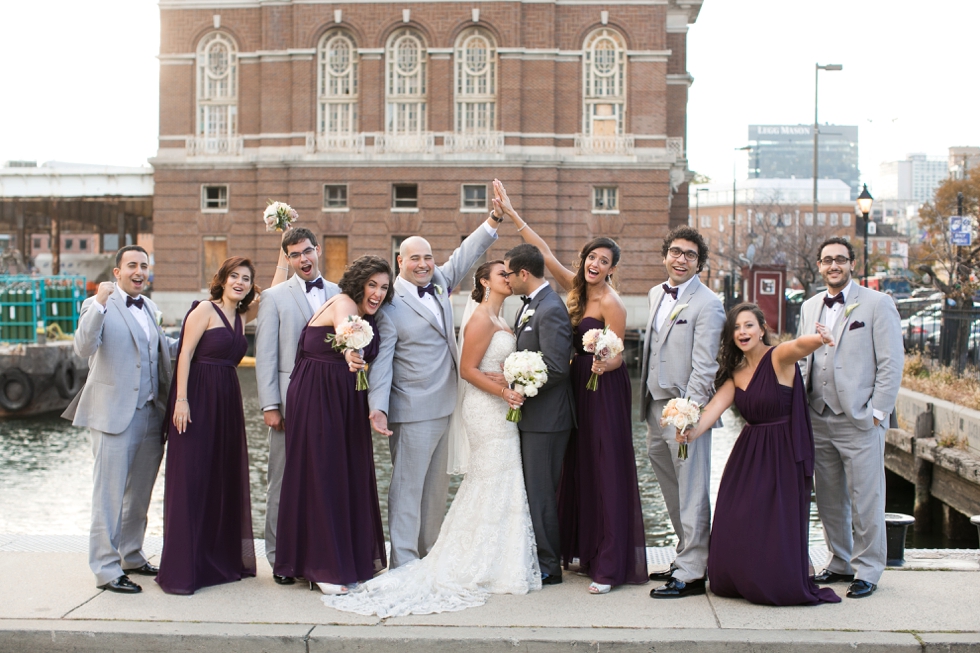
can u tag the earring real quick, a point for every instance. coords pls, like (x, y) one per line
(760, 337)
(486, 293)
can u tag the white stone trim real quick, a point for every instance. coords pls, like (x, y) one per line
(254, 4)
(186, 59)
(680, 79)
(522, 135)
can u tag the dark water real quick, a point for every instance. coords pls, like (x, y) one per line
(46, 474)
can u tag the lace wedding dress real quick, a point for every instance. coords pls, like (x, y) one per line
(486, 544)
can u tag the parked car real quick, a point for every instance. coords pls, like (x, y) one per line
(917, 328)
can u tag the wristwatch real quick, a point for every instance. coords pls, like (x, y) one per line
(494, 217)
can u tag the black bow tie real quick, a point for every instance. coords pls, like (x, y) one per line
(310, 285)
(836, 299)
(525, 299)
(427, 289)
(670, 291)
(138, 302)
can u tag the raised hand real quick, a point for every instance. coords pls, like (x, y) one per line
(105, 290)
(825, 335)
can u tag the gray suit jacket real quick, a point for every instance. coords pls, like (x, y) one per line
(688, 345)
(868, 353)
(414, 375)
(283, 312)
(111, 343)
(549, 331)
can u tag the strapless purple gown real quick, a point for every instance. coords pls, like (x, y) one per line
(207, 512)
(329, 517)
(599, 510)
(760, 536)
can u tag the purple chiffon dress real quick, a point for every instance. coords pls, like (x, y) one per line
(599, 510)
(329, 527)
(760, 536)
(207, 513)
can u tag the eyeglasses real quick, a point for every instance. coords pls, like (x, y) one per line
(677, 252)
(830, 260)
(505, 275)
(306, 253)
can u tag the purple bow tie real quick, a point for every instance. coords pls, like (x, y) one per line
(310, 285)
(138, 302)
(836, 299)
(427, 289)
(670, 291)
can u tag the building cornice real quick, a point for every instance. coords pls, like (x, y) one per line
(680, 79)
(255, 4)
(525, 54)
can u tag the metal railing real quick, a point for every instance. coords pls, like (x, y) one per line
(474, 142)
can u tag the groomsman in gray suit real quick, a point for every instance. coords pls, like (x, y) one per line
(542, 324)
(413, 387)
(852, 389)
(680, 360)
(123, 405)
(284, 311)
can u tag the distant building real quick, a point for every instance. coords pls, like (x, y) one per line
(916, 178)
(786, 152)
(962, 160)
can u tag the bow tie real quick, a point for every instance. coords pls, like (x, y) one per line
(310, 285)
(836, 299)
(427, 289)
(138, 302)
(670, 291)
(525, 299)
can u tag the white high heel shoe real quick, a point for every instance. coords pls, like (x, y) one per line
(331, 589)
(599, 588)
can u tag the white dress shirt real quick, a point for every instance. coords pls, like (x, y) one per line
(668, 303)
(530, 297)
(315, 297)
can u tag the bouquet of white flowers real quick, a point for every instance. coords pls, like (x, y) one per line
(278, 216)
(682, 414)
(603, 344)
(354, 333)
(525, 371)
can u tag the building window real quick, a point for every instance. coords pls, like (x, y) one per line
(474, 197)
(604, 86)
(406, 61)
(405, 196)
(214, 198)
(833, 219)
(845, 219)
(334, 259)
(82, 244)
(217, 89)
(337, 83)
(821, 219)
(808, 219)
(476, 82)
(605, 199)
(787, 220)
(334, 197)
(705, 221)
(68, 243)
(215, 252)
(37, 243)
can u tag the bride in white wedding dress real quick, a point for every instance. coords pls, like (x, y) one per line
(486, 543)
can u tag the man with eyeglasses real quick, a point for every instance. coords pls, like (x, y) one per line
(852, 388)
(284, 311)
(680, 360)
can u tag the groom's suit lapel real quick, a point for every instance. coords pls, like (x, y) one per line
(841, 327)
(409, 293)
(531, 307)
(297, 290)
(685, 299)
(134, 328)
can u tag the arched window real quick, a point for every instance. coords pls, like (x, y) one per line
(217, 92)
(337, 71)
(406, 61)
(476, 82)
(604, 84)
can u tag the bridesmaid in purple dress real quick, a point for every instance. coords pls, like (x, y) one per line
(207, 518)
(759, 539)
(329, 529)
(599, 510)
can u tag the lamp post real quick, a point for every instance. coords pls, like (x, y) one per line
(864, 202)
(816, 126)
(697, 205)
(734, 257)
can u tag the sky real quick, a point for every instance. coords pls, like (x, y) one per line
(90, 85)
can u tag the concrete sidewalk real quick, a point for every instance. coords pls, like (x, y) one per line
(48, 601)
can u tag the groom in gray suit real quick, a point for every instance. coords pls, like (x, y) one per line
(852, 389)
(122, 404)
(542, 325)
(284, 311)
(680, 360)
(413, 387)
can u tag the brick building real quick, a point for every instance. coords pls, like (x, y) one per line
(379, 120)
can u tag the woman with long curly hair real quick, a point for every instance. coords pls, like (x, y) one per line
(207, 518)
(329, 529)
(600, 516)
(759, 546)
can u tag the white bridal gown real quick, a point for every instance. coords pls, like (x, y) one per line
(486, 543)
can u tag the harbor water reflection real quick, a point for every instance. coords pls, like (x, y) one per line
(46, 474)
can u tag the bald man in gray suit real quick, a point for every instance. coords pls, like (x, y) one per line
(680, 360)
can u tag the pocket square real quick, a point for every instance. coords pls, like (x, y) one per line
(855, 325)
(680, 322)
(527, 328)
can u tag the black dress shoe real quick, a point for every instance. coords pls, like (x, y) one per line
(122, 585)
(283, 580)
(677, 589)
(550, 580)
(826, 576)
(860, 589)
(664, 575)
(146, 570)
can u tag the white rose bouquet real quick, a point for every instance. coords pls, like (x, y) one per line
(525, 371)
(278, 216)
(603, 344)
(682, 414)
(354, 333)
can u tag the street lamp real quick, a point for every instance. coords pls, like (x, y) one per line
(816, 126)
(864, 202)
(733, 257)
(697, 205)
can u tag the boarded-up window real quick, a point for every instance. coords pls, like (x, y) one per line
(334, 260)
(215, 253)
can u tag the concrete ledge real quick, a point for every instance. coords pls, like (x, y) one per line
(949, 418)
